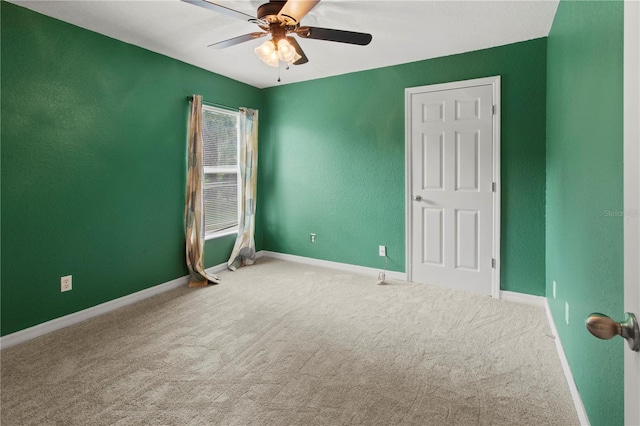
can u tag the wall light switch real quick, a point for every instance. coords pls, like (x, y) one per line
(382, 251)
(554, 289)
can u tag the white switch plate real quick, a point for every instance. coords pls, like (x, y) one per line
(566, 312)
(382, 250)
(65, 283)
(554, 289)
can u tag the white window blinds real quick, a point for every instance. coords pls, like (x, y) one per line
(220, 170)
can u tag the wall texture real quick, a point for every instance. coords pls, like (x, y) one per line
(584, 183)
(332, 161)
(93, 166)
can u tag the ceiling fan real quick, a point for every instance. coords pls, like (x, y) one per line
(280, 18)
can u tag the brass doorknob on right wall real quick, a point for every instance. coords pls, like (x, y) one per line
(604, 327)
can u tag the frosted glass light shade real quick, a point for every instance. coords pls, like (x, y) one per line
(286, 52)
(268, 53)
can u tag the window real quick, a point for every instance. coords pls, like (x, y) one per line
(221, 172)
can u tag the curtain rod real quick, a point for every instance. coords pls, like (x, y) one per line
(213, 104)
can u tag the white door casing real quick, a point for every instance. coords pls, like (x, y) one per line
(631, 201)
(452, 184)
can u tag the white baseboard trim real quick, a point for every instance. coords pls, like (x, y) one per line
(528, 299)
(77, 317)
(356, 269)
(218, 268)
(577, 400)
(56, 324)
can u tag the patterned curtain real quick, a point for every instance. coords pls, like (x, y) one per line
(194, 204)
(244, 250)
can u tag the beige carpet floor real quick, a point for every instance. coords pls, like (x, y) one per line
(280, 343)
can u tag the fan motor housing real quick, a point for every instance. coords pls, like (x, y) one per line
(269, 11)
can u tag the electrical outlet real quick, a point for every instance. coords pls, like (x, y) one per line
(554, 289)
(382, 251)
(312, 238)
(65, 283)
(566, 312)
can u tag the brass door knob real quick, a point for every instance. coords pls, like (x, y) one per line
(605, 328)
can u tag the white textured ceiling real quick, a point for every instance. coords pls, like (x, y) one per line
(403, 31)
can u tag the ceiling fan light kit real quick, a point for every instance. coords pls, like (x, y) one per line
(271, 54)
(280, 18)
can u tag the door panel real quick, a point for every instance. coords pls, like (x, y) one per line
(632, 201)
(433, 242)
(433, 159)
(467, 161)
(467, 239)
(452, 217)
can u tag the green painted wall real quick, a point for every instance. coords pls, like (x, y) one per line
(584, 180)
(332, 161)
(93, 166)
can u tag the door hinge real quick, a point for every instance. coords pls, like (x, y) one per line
(493, 187)
(493, 109)
(493, 263)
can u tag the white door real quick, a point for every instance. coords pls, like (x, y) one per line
(450, 161)
(632, 201)
(631, 216)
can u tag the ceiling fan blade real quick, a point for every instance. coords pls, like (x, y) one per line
(237, 40)
(361, 39)
(293, 42)
(294, 10)
(222, 9)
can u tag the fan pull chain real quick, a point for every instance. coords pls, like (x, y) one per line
(286, 67)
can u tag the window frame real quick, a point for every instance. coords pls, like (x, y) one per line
(206, 170)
